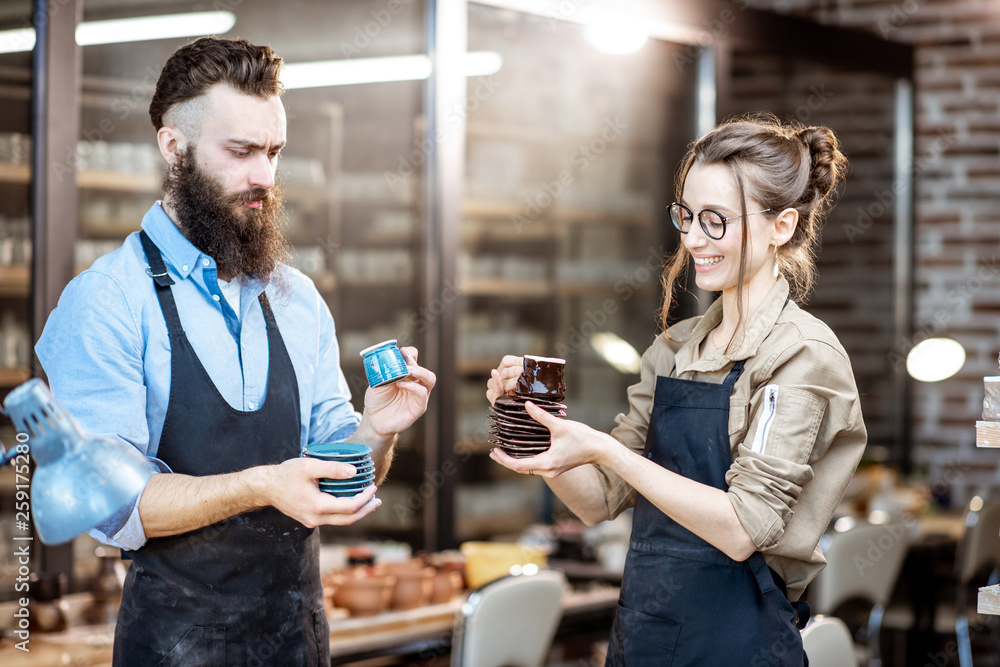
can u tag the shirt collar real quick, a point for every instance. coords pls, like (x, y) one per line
(179, 253)
(748, 339)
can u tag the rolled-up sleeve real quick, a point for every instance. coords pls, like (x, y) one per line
(333, 417)
(92, 352)
(809, 402)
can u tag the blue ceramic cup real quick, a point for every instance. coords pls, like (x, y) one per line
(384, 363)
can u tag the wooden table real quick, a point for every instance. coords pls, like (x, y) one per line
(427, 629)
(83, 646)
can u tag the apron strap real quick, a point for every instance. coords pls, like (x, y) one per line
(761, 572)
(265, 307)
(157, 269)
(162, 281)
(734, 374)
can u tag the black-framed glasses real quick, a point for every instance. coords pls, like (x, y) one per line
(712, 222)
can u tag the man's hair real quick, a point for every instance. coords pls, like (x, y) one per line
(196, 67)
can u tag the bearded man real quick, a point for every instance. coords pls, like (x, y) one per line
(195, 344)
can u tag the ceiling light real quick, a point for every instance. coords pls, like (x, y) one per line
(136, 29)
(15, 41)
(617, 352)
(376, 70)
(361, 70)
(615, 33)
(935, 359)
(146, 28)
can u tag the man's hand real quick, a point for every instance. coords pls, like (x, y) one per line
(172, 503)
(292, 488)
(393, 408)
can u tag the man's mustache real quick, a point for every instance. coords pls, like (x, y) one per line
(264, 196)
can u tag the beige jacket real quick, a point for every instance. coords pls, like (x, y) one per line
(793, 456)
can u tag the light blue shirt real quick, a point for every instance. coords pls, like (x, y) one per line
(106, 350)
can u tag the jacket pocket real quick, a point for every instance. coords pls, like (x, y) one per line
(641, 639)
(201, 646)
(790, 422)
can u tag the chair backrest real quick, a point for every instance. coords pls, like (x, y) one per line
(509, 622)
(828, 643)
(980, 546)
(862, 562)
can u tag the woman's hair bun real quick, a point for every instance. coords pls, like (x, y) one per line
(828, 164)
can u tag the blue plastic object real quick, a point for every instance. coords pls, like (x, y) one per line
(80, 480)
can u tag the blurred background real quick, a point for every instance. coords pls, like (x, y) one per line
(489, 178)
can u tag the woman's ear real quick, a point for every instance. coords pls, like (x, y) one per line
(784, 226)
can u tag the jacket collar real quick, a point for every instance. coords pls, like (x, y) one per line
(748, 338)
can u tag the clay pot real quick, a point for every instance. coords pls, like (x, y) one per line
(414, 584)
(447, 586)
(363, 594)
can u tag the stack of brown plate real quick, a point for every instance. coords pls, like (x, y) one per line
(515, 432)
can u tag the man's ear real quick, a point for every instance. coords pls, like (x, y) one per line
(784, 226)
(171, 142)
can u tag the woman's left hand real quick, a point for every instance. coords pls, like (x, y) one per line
(504, 377)
(573, 444)
(393, 408)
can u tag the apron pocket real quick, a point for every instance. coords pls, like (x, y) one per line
(201, 646)
(645, 639)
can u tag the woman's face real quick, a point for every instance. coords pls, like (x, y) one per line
(717, 261)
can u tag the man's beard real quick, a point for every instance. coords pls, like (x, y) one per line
(243, 241)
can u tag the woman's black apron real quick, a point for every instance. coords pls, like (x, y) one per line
(683, 602)
(244, 591)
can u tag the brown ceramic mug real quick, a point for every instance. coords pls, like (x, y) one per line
(543, 377)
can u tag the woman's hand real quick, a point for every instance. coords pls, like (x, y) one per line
(573, 445)
(503, 378)
(394, 407)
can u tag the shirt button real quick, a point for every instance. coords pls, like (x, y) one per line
(251, 405)
(184, 268)
(215, 296)
(205, 262)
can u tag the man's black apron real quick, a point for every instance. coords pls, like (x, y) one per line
(245, 591)
(683, 602)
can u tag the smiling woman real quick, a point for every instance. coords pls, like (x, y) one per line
(738, 416)
(775, 181)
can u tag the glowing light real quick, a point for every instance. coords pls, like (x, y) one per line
(617, 352)
(843, 524)
(136, 29)
(146, 28)
(976, 504)
(935, 359)
(323, 73)
(16, 41)
(878, 517)
(615, 33)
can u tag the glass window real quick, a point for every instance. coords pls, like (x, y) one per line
(351, 187)
(15, 262)
(569, 169)
(855, 290)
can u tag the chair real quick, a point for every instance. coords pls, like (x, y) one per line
(509, 622)
(979, 549)
(828, 643)
(864, 563)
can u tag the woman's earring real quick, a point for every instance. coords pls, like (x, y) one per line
(173, 167)
(775, 269)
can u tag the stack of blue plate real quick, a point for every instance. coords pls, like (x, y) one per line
(359, 456)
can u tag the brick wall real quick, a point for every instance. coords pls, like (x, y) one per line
(957, 255)
(854, 291)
